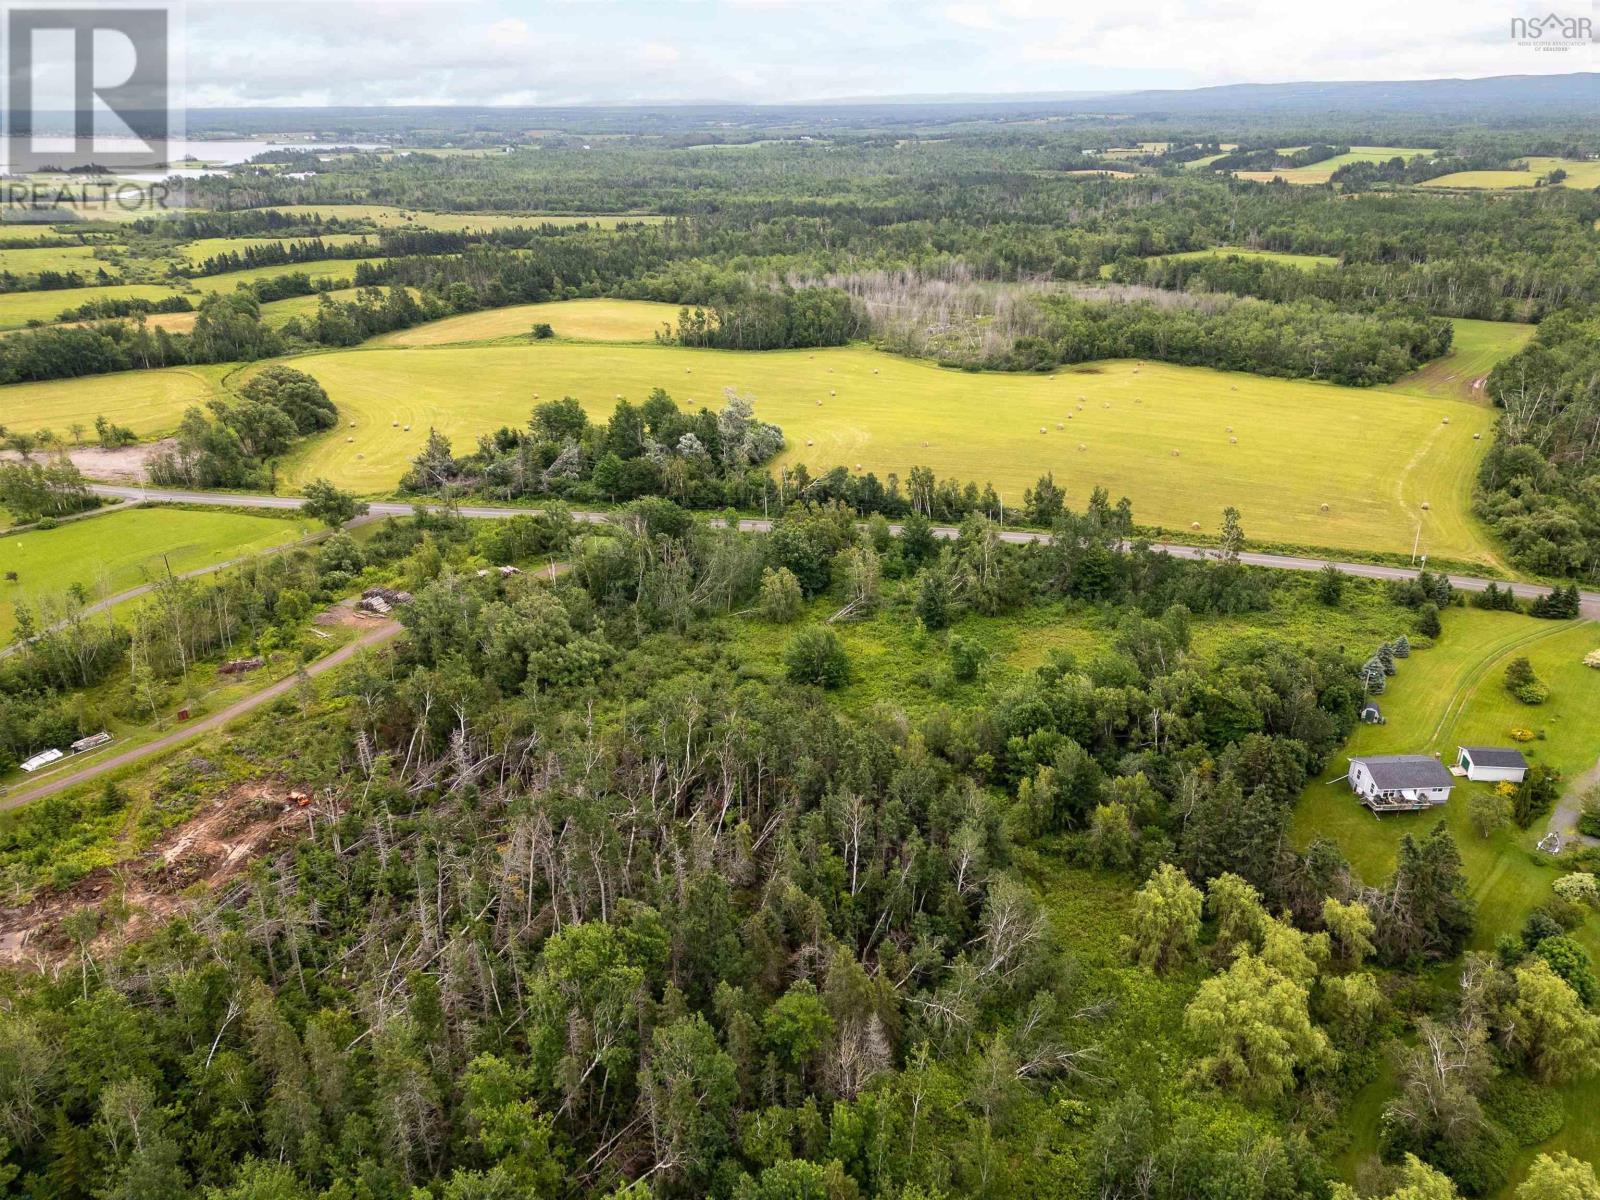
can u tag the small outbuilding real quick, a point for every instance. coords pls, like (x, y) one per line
(42, 759)
(1371, 714)
(1400, 782)
(1491, 764)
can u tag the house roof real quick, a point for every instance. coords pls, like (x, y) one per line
(1397, 772)
(1370, 704)
(1496, 756)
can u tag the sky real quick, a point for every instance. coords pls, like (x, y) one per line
(567, 52)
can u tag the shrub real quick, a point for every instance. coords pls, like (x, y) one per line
(1519, 734)
(1428, 620)
(780, 601)
(815, 656)
(1522, 683)
(966, 658)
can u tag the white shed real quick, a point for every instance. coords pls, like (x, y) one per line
(1492, 764)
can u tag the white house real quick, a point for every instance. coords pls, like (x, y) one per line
(1400, 782)
(1492, 764)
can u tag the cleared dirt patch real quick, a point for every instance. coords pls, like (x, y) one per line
(124, 465)
(209, 849)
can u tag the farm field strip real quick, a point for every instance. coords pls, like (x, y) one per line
(1157, 433)
(589, 320)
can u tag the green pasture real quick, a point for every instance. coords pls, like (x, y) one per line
(120, 550)
(1306, 261)
(1157, 433)
(586, 320)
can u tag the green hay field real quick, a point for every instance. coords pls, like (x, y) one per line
(120, 550)
(1323, 171)
(327, 268)
(587, 320)
(1581, 173)
(1373, 456)
(149, 402)
(18, 308)
(388, 216)
(1474, 350)
(201, 249)
(32, 260)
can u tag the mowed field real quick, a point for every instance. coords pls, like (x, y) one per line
(111, 553)
(326, 268)
(1159, 434)
(1306, 261)
(18, 308)
(588, 320)
(1323, 171)
(148, 402)
(201, 249)
(34, 259)
(1581, 173)
(388, 216)
(1474, 350)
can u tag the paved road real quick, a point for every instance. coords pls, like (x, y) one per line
(380, 632)
(1281, 562)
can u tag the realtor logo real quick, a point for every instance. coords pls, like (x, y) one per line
(87, 88)
(1553, 32)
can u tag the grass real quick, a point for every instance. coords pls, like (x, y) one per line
(1475, 349)
(32, 260)
(327, 268)
(1452, 694)
(121, 550)
(587, 320)
(149, 402)
(200, 249)
(19, 308)
(1306, 261)
(1581, 173)
(891, 413)
(388, 216)
(1323, 171)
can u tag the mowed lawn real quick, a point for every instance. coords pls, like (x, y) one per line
(1474, 350)
(120, 550)
(1452, 694)
(1157, 433)
(585, 320)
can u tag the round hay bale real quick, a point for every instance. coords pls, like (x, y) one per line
(1447, 420)
(1230, 428)
(1081, 399)
(1194, 524)
(858, 466)
(408, 429)
(352, 424)
(349, 439)
(394, 424)
(619, 395)
(1059, 425)
(1234, 388)
(1081, 446)
(1426, 506)
(361, 456)
(688, 371)
(874, 370)
(1069, 416)
(1233, 441)
(809, 442)
(1476, 436)
(1174, 454)
(1322, 508)
(1041, 429)
(831, 392)
(819, 403)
